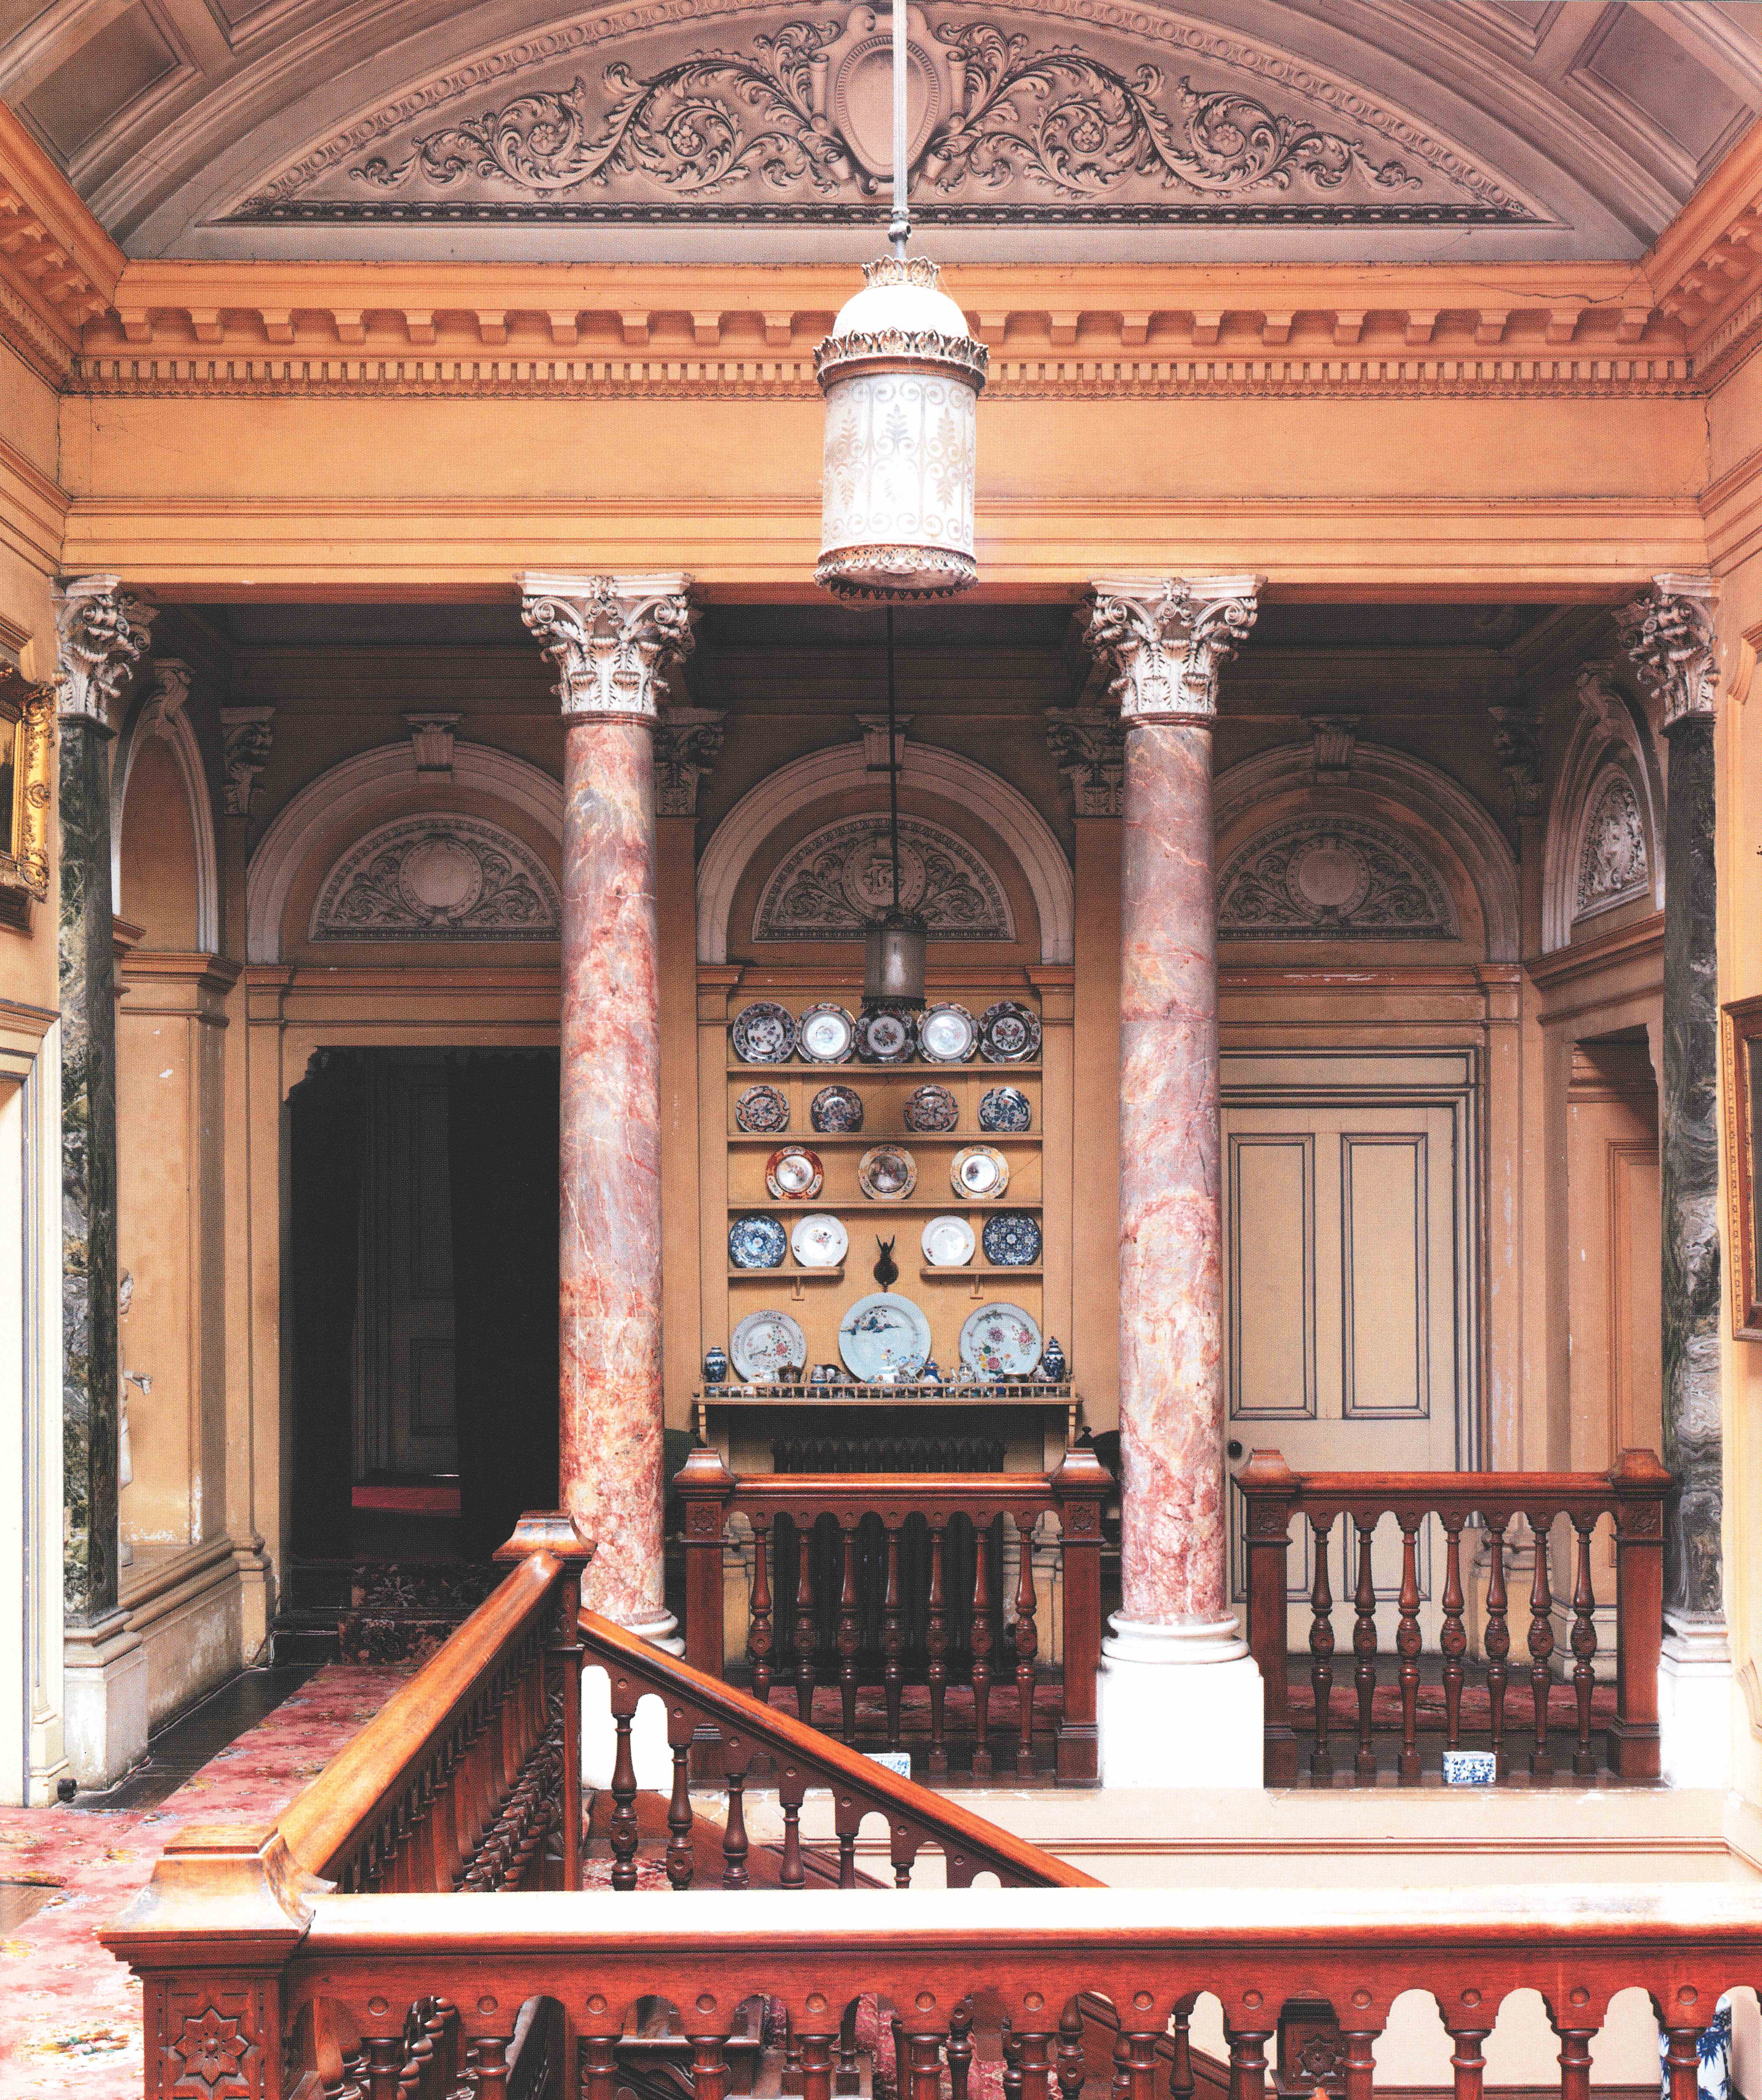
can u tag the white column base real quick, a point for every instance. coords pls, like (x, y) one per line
(1695, 1689)
(104, 1700)
(649, 1749)
(1180, 1705)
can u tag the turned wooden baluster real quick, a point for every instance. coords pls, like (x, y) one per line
(923, 2064)
(1468, 2064)
(1682, 2062)
(892, 1637)
(816, 2067)
(1360, 2064)
(1575, 2063)
(959, 2051)
(1248, 2064)
(1027, 1642)
(599, 2067)
(1407, 1646)
(1181, 2079)
(1497, 1639)
(1452, 1640)
(1070, 2065)
(1541, 1648)
(980, 1641)
(1364, 1647)
(807, 1633)
(623, 1816)
(737, 1755)
(492, 2068)
(1037, 2064)
(937, 1647)
(759, 1633)
(1141, 2064)
(791, 1787)
(1321, 1649)
(1121, 2083)
(1584, 1646)
(709, 2067)
(681, 1861)
(847, 1629)
(849, 2068)
(1011, 2046)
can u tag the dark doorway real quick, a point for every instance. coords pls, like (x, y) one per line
(423, 1276)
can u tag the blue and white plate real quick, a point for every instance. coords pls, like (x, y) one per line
(883, 1336)
(884, 1037)
(836, 1110)
(1005, 1107)
(761, 1109)
(756, 1241)
(764, 1033)
(1009, 1033)
(1011, 1240)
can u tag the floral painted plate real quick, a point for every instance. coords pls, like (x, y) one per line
(764, 1033)
(884, 1037)
(755, 1241)
(886, 1173)
(980, 1170)
(836, 1110)
(948, 1241)
(819, 1241)
(826, 1035)
(1005, 1107)
(1009, 1033)
(794, 1175)
(948, 1035)
(1000, 1341)
(1011, 1240)
(884, 1335)
(767, 1346)
(931, 1108)
(761, 1109)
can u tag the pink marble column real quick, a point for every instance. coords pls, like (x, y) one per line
(612, 639)
(1163, 1722)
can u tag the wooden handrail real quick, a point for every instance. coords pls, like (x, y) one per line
(1074, 1492)
(1631, 1492)
(800, 1756)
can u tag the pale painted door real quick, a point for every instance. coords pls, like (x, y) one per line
(1347, 1244)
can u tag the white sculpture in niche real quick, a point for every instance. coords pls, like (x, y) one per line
(1614, 866)
(1321, 878)
(437, 878)
(830, 886)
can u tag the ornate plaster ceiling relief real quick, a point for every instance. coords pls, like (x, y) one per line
(1100, 114)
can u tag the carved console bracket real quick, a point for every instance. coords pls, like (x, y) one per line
(101, 632)
(431, 744)
(1164, 640)
(247, 737)
(687, 742)
(1668, 631)
(1090, 745)
(614, 639)
(170, 690)
(1333, 739)
(1517, 741)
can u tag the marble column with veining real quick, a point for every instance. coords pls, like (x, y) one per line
(1165, 641)
(101, 632)
(613, 639)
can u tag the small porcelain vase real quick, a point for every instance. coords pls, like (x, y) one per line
(1053, 1364)
(716, 1364)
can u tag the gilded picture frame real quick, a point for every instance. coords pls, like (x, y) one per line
(26, 747)
(1742, 1046)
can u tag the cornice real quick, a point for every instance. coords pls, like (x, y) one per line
(58, 266)
(1704, 268)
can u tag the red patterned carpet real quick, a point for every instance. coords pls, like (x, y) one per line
(70, 2016)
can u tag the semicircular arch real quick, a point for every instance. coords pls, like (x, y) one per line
(178, 734)
(1610, 734)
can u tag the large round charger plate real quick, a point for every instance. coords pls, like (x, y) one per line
(766, 1346)
(881, 1332)
(819, 1241)
(947, 1242)
(1003, 1341)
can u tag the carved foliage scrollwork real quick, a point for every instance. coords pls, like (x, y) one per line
(437, 878)
(831, 885)
(27, 742)
(1327, 878)
(1614, 866)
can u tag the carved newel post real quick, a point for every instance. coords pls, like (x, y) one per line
(101, 632)
(1180, 1697)
(1669, 635)
(613, 640)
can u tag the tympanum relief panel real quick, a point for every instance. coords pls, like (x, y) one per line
(1614, 866)
(830, 886)
(437, 878)
(1327, 878)
(781, 116)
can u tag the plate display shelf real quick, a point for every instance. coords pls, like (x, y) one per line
(946, 1295)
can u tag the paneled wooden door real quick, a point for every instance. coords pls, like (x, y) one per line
(1348, 1247)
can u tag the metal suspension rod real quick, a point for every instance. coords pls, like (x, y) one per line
(900, 228)
(893, 765)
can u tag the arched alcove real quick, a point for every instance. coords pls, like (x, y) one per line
(1603, 858)
(162, 851)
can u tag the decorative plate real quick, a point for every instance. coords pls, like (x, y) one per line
(836, 1110)
(980, 1170)
(755, 1241)
(793, 1174)
(948, 1241)
(764, 1033)
(1012, 1240)
(1005, 1107)
(1000, 1341)
(826, 1035)
(884, 1037)
(884, 1334)
(762, 1108)
(886, 1173)
(1009, 1033)
(766, 1346)
(819, 1241)
(931, 1108)
(948, 1035)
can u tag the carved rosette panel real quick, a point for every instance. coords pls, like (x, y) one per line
(439, 878)
(1321, 878)
(831, 885)
(214, 2044)
(1615, 866)
(782, 114)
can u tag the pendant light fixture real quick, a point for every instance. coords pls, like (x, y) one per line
(893, 953)
(901, 378)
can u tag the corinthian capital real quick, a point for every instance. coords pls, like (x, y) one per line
(687, 742)
(612, 639)
(1668, 631)
(100, 631)
(1165, 639)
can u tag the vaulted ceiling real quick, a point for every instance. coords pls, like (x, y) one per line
(1329, 129)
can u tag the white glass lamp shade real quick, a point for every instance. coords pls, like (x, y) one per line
(901, 379)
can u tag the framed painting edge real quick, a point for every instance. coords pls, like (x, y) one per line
(1740, 1023)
